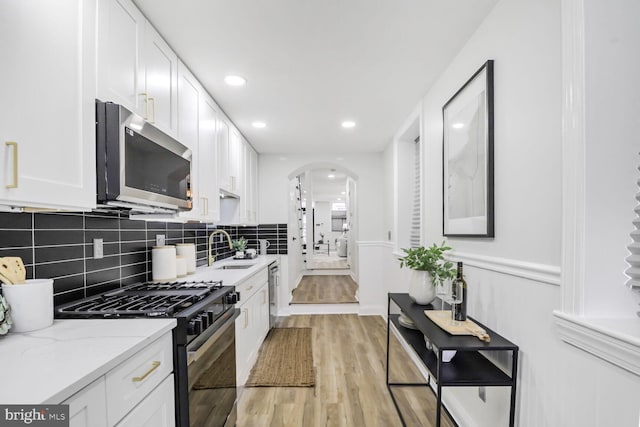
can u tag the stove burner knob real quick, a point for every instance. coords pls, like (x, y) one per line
(212, 316)
(204, 320)
(194, 327)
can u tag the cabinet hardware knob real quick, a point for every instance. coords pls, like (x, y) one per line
(154, 365)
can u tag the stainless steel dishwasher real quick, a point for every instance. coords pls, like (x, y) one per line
(274, 283)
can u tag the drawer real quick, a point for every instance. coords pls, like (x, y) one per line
(128, 383)
(157, 409)
(251, 285)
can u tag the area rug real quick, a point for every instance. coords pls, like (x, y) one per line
(285, 360)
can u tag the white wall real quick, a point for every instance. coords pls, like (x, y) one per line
(274, 180)
(612, 68)
(513, 279)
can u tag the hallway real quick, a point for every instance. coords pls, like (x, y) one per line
(325, 289)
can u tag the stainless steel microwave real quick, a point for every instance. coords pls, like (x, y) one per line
(139, 167)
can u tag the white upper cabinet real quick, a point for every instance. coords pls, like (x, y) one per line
(47, 104)
(121, 72)
(136, 67)
(197, 116)
(224, 169)
(161, 81)
(208, 159)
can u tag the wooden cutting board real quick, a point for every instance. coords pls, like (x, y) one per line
(12, 269)
(442, 318)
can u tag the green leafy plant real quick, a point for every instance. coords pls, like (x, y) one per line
(431, 260)
(239, 244)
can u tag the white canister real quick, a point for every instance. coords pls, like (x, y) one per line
(31, 304)
(181, 266)
(188, 251)
(163, 263)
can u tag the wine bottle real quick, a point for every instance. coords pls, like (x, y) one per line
(460, 310)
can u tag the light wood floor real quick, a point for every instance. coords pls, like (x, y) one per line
(325, 289)
(322, 262)
(349, 354)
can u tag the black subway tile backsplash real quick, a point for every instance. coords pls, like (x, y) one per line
(60, 246)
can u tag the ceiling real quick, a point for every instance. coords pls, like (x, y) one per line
(310, 65)
(326, 189)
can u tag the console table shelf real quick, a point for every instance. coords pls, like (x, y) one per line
(468, 367)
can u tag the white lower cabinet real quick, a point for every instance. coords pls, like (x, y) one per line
(253, 324)
(138, 392)
(155, 410)
(88, 408)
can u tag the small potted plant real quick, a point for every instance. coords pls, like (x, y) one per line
(430, 269)
(239, 245)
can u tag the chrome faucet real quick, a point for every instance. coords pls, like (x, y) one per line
(213, 257)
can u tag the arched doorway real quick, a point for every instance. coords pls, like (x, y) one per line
(323, 226)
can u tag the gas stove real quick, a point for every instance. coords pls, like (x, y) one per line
(151, 299)
(204, 335)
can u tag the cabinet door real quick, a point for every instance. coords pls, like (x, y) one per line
(161, 81)
(47, 104)
(88, 407)
(188, 132)
(243, 343)
(235, 159)
(157, 409)
(224, 179)
(263, 321)
(208, 159)
(120, 64)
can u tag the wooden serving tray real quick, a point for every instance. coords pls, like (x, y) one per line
(442, 318)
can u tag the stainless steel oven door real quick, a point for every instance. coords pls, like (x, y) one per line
(212, 378)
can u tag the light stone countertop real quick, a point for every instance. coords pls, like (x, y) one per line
(52, 364)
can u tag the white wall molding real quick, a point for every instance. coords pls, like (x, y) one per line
(573, 156)
(544, 273)
(603, 338)
(374, 243)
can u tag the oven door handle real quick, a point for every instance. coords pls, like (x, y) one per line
(204, 341)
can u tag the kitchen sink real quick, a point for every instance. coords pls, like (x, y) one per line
(235, 266)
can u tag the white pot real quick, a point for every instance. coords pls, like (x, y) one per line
(239, 254)
(31, 304)
(421, 288)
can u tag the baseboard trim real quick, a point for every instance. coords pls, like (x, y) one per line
(544, 273)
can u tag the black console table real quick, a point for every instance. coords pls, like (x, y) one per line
(468, 367)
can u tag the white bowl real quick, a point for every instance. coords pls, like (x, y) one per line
(447, 355)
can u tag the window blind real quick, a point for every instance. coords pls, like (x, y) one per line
(415, 230)
(634, 248)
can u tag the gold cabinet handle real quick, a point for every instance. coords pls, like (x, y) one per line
(146, 105)
(154, 365)
(246, 317)
(249, 288)
(15, 163)
(205, 205)
(153, 100)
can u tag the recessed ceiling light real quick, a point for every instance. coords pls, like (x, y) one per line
(338, 198)
(344, 192)
(331, 175)
(235, 80)
(339, 158)
(457, 125)
(348, 124)
(259, 125)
